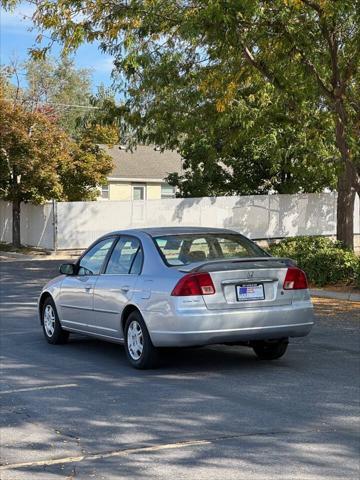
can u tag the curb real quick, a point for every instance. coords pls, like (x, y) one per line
(8, 256)
(15, 256)
(353, 297)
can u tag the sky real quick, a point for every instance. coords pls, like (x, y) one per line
(16, 38)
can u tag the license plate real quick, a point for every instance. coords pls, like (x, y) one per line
(250, 291)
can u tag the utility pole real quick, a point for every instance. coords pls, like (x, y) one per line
(54, 223)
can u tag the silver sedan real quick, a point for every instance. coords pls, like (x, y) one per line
(173, 287)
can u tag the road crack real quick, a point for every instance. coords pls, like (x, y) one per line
(152, 448)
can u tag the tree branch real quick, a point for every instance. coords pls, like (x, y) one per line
(315, 6)
(262, 68)
(352, 66)
(312, 69)
(329, 35)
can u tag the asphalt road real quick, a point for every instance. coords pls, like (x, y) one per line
(78, 411)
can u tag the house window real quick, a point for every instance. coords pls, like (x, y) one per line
(138, 192)
(105, 191)
(167, 191)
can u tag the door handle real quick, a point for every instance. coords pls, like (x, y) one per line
(89, 287)
(125, 288)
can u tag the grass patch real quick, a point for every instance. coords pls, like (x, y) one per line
(7, 247)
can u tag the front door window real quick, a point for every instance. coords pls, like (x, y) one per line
(92, 262)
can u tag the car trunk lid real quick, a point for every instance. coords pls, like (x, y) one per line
(246, 283)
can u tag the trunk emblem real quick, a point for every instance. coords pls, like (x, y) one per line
(250, 274)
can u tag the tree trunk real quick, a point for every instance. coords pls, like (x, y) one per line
(345, 208)
(346, 191)
(16, 239)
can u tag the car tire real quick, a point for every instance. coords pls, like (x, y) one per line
(140, 351)
(270, 349)
(52, 329)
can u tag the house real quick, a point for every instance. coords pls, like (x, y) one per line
(140, 175)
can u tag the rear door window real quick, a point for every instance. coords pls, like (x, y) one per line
(126, 257)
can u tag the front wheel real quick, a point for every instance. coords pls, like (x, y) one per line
(140, 351)
(53, 331)
(270, 349)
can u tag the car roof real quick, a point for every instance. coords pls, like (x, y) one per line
(158, 231)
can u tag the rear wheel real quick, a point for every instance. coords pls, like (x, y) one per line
(53, 331)
(270, 349)
(140, 351)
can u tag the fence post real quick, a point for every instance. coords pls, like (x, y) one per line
(54, 212)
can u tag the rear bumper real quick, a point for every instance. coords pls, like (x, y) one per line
(205, 327)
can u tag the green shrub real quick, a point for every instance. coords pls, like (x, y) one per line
(325, 261)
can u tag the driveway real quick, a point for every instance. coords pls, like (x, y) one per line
(78, 411)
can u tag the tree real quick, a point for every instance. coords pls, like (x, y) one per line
(56, 85)
(303, 53)
(103, 123)
(39, 162)
(260, 148)
(85, 168)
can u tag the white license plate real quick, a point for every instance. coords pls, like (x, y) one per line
(250, 291)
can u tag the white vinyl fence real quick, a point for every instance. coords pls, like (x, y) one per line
(36, 226)
(74, 225)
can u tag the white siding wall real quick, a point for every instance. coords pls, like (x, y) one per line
(257, 216)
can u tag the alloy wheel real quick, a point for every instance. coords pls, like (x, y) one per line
(135, 340)
(49, 320)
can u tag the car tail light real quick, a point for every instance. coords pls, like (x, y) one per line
(295, 279)
(194, 284)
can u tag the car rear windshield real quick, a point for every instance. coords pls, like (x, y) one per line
(184, 249)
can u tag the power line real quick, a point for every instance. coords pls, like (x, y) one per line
(70, 105)
(61, 104)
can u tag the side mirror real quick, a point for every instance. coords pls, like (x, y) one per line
(67, 269)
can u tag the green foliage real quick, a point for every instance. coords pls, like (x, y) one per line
(256, 95)
(85, 169)
(325, 261)
(63, 93)
(102, 124)
(253, 149)
(258, 86)
(101, 134)
(56, 87)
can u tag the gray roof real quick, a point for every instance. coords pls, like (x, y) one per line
(143, 163)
